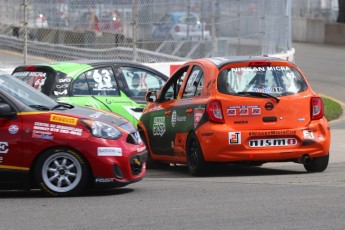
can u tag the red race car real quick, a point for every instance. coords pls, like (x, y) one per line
(63, 149)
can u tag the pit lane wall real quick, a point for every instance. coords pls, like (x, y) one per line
(168, 68)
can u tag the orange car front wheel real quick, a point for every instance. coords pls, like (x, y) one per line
(151, 163)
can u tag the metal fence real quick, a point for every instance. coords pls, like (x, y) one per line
(146, 30)
(323, 9)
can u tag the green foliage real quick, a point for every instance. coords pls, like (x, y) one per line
(333, 109)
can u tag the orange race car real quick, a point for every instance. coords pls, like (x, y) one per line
(249, 110)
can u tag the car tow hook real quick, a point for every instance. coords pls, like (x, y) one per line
(305, 159)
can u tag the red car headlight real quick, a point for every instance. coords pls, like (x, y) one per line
(102, 130)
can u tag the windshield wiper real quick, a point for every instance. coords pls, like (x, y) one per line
(62, 105)
(257, 94)
(287, 93)
(39, 107)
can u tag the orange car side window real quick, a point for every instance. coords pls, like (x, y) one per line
(194, 83)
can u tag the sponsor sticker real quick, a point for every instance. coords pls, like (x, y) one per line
(243, 110)
(63, 119)
(58, 93)
(13, 129)
(241, 122)
(40, 79)
(42, 135)
(231, 112)
(158, 126)
(256, 69)
(114, 101)
(268, 90)
(308, 134)
(109, 151)
(273, 142)
(65, 80)
(176, 118)
(256, 111)
(62, 86)
(3, 147)
(104, 180)
(173, 118)
(198, 115)
(53, 128)
(234, 138)
(272, 133)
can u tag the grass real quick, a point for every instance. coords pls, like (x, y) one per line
(333, 109)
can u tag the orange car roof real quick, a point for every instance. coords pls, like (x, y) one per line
(221, 61)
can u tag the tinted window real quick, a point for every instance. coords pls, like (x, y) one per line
(277, 80)
(80, 86)
(194, 83)
(24, 93)
(102, 82)
(188, 19)
(62, 83)
(37, 79)
(139, 81)
(172, 88)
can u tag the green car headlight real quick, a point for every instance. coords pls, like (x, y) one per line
(102, 130)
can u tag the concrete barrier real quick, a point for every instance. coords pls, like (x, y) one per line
(317, 31)
(335, 33)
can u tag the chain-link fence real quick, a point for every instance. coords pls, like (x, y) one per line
(146, 30)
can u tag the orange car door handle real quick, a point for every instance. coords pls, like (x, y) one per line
(168, 112)
(189, 110)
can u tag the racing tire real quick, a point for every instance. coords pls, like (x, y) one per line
(318, 164)
(61, 172)
(151, 163)
(195, 158)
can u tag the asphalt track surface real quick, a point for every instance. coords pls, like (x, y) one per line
(274, 196)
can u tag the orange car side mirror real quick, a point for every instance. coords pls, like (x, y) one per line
(151, 96)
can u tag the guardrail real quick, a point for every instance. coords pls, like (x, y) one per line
(63, 52)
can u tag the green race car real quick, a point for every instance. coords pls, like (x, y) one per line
(116, 86)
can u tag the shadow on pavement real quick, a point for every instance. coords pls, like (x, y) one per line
(36, 193)
(180, 171)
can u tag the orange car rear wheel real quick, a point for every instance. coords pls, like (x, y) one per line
(318, 164)
(195, 158)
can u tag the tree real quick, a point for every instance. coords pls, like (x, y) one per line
(341, 14)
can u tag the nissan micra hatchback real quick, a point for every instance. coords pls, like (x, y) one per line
(63, 149)
(249, 110)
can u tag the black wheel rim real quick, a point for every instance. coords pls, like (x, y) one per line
(193, 154)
